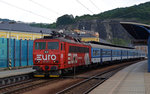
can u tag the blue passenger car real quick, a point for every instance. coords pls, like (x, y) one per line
(101, 53)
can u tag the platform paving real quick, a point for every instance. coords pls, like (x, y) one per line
(132, 80)
(8, 73)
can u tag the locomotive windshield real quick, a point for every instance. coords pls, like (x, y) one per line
(53, 45)
(40, 45)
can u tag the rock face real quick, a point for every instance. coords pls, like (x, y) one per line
(108, 29)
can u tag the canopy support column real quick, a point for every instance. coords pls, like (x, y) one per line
(149, 53)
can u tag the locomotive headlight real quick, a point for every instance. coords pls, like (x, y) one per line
(55, 61)
(36, 61)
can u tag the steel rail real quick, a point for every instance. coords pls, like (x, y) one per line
(101, 79)
(28, 87)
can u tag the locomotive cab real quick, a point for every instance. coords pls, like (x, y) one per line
(47, 57)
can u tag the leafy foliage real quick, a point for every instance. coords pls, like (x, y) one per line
(118, 41)
(65, 20)
(140, 13)
(53, 25)
(6, 20)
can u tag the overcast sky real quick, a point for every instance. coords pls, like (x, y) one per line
(47, 11)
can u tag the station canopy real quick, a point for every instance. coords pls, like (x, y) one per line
(138, 31)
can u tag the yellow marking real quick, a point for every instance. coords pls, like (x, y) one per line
(20, 35)
(39, 75)
(90, 39)
(53, 75)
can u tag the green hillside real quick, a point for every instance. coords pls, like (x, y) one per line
(6, 20)
(139, 13)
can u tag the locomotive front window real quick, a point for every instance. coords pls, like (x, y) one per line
(53, 45)
(40, 45)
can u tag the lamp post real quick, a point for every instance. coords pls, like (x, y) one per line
(9, 53)
(9, 49)
(10, 26)
(149, 53)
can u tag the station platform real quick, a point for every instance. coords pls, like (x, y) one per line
(134, 79)
(8, 73)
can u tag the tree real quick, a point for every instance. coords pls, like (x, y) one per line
(65, 20)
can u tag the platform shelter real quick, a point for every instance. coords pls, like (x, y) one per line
(141, 32)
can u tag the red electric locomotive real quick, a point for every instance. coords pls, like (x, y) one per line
(52, 56)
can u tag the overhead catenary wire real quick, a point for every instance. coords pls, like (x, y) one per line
(95, 5)
(44, 7)
(84, 6)
(24, 10)
(2, 1)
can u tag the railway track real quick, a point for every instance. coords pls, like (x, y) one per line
(15, 79)
(83, 83)
(27, 85)
(85, 86)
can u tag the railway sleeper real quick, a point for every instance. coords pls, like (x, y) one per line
(14, 79)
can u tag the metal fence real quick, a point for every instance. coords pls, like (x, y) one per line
(15, 53)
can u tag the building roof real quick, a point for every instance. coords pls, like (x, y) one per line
(21, 27)
(111, 45)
